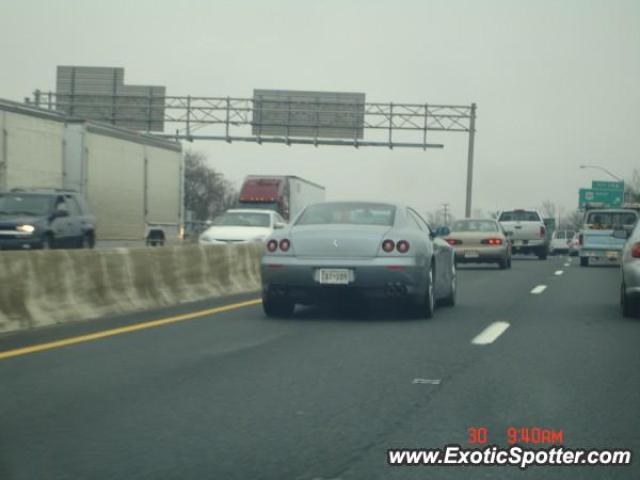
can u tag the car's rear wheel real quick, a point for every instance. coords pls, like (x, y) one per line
(282, 308)
(504, 263)
(428, 304)
(450, 300)
(584, 261)
(542, 254)
(630, 306)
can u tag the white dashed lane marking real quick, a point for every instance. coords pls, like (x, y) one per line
(490, 334)
(539, 289)
(559, 272)
(427, 381)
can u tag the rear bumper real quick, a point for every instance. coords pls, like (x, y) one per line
(484, 254)
(612, 254)
(532, 246)
(297, 278)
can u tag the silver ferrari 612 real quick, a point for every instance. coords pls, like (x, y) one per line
(373, 250)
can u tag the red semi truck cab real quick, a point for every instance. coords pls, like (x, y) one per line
(286, 194)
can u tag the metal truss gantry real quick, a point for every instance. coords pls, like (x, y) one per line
(228, 119)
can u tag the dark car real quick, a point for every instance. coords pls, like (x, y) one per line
(45, 219)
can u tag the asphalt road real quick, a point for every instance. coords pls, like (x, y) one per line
(324, 395)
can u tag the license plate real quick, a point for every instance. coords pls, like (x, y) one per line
(334, 276)
(471, 254)
(612, 254)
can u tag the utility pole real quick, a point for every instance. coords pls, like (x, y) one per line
(472, 134)
(445, 208)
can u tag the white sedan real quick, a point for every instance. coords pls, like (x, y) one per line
(242, 225)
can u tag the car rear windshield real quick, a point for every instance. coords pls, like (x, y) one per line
(474, 226)
(243, 219)
(608, 220)
(12, 204)
(519, 216)
(348, 213)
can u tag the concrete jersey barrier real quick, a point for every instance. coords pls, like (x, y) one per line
(48, 287)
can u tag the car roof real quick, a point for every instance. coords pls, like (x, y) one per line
(612, 210)
(476, 220)
(365, 202)
(249, 210)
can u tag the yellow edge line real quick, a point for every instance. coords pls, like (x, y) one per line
(119, 331)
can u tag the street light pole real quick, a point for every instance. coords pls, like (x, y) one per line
(598, 167)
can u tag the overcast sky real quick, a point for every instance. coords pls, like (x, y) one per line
(557, 83)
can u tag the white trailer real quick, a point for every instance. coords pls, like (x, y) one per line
(132, 182)
(303, 193)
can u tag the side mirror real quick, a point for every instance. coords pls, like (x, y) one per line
(621, 234)
(442, 232)
(279, 225)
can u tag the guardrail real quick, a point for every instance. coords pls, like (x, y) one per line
(57, 286)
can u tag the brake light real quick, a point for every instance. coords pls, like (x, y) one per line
(635, 250)
(388, 246)
(272, 245)
(491, 241)
(453, 241)
(285, 244)
(403, 246)
(580, 239)
(543, 231)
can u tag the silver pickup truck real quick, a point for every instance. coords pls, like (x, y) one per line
(526, 231)
(596, 239)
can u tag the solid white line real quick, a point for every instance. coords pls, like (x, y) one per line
(429, 381)
(539, 289)
(559, 272)
(489, 334)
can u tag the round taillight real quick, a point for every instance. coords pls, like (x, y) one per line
(272, 245)
(403, 246)
(388, 246)
(285, 244)
(635, 250)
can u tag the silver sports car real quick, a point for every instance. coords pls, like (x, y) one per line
(373, 250)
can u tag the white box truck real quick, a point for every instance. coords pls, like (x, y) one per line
(132, 182)
(286, 194)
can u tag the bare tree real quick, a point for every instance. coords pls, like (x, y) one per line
(548, 209)
(436, 218)
(206, 192)
(573, 220)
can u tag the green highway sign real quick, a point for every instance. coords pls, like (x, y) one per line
(608, 198)
(607, 185)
